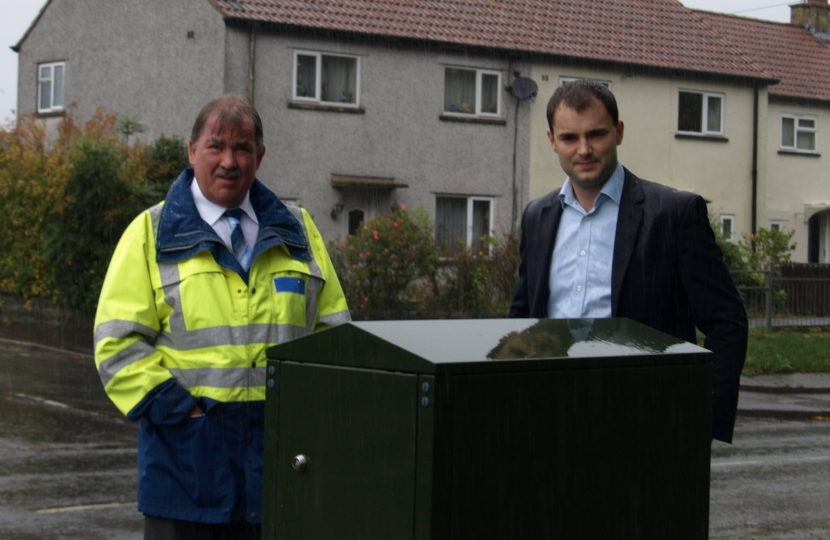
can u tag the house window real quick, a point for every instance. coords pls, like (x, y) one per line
(700, 113)
(563, 80)
(727, 224)
(472, 92)
(50, 87)
(775, 226)
(326, 78)
(463, 221)
(798, 133)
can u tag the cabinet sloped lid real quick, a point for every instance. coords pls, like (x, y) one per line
(489, 345)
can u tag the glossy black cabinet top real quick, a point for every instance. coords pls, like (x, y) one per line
(436, 345)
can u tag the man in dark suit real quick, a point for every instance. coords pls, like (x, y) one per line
(608, 244)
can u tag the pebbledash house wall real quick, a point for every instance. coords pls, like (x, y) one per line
(132, 57)
(159, 62)
(398, 132)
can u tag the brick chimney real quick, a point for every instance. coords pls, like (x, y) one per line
(814, 14)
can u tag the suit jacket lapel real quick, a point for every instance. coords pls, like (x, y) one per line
(629, 220)
(548, 228)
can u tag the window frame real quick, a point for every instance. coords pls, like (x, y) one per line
(731, 219)
(478, 113)
(471, 199)
(776, 225)
(795, 117)
(703, 113)
(318, 75)
(40, 80)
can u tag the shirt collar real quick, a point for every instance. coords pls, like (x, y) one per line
(611, 190)
(212, 212)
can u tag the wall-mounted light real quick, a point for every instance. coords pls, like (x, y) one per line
(336, 210)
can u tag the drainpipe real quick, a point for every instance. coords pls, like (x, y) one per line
(251, 58)
(754, 161)
(515, 209)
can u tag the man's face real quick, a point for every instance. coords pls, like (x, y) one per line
(586, 143)
(225, 160)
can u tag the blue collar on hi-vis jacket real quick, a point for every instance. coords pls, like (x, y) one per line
(289, 285)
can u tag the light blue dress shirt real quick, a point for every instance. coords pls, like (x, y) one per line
(580, 271)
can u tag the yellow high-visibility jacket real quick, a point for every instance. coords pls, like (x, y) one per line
(180, 323)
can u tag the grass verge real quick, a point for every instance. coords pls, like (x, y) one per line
(790, 350)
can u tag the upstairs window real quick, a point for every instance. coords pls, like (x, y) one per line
(474, 92)
(700, 113)
(463, 221)
(50, 87)
(326, 78)
(798, 133)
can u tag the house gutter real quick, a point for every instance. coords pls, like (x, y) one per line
(754, 160)
(251, 59)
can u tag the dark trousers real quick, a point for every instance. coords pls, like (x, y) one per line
(156, 528)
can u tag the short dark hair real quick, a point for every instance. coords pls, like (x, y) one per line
(580, 95)
(229, 109)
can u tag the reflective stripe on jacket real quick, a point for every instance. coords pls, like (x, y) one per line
(180, 323)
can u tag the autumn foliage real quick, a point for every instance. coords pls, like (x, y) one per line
(66, 196)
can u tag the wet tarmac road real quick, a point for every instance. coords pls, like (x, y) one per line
(67, 457)
(68, 462)
(773, 482)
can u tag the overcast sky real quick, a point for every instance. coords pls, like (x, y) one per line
(17, 15)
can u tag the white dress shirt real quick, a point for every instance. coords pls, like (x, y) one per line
(214, 215)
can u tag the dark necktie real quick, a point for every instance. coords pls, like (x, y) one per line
(240, 247)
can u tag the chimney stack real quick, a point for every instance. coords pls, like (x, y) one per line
(814, 14)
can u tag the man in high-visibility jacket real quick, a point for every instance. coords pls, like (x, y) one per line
(198, 287)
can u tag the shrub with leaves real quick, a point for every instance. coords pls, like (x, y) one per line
(770, 247)
(65, 201)
(755, 251)
(79, 240)
(32, 178)
(166, 158)
(478, 279)
(504, 261)
(380, 264)
(749, 257)
(466, 278)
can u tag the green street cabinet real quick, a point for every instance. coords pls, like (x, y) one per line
(487, 429)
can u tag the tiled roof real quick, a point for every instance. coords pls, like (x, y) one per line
(654, 33)
(790, 53)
